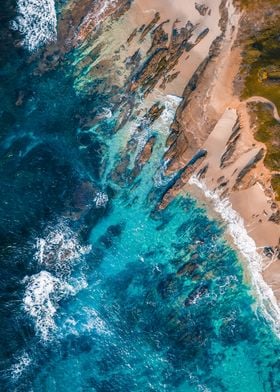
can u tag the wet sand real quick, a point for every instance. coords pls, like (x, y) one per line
(212, 111)
(253, 199)
(176, 14)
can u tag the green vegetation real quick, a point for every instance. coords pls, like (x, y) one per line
(261, 65)
(261, 74)
(268, 132)
(253, 4)
(275, 182)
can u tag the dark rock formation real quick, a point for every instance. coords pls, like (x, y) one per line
(74, 27)
(230, 149)
(150, 26)
(187, 269)
(163, 59)
(196, 294)
(155, 112)
(181, 178)
(202, 172)
(275, 217)
(201, 8)
(132, 35)
(251, 164)
(159, 38)
(143, 157)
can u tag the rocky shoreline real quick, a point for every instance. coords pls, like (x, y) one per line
(188, 51)
(211, 116)
(239, 174)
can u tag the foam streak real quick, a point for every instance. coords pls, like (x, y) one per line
(248, 249)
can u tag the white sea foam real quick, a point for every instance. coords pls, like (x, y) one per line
(98, 14)
(101, 199)
(247, 248)
(171, 103)
(36, 22)
(86, 320)
(22, 363)
(95, 322)
(57, 252)
(59, 249)
(160, 178)
(199, 387)
(41, 298)
(107, 113)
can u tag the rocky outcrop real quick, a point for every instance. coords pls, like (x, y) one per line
(250, 165)
(75, 23)
(147, 29)
(275, 217)
(159, 38)
(231, 145)
(187, 268)
(197, 294)
(177, 141)
(154, 112)
(143, 158)
(201, 8)
(181, 178)
(162, 58)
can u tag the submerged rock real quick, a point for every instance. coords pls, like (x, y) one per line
(197, 294)
(187, 268)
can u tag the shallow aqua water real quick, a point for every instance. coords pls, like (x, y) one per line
(100, 291)
(158, 303)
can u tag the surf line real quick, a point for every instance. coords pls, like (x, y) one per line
(35, 22)
(247, 247)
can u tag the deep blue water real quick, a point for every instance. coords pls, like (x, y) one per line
(101, 291)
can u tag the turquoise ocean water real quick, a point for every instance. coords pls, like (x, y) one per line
(100, 290)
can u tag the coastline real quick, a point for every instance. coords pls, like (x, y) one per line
(211, 115)
(241, 178)
(238, 237)
(134, 103)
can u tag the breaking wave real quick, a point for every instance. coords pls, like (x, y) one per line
(59, 249)
(36, 22)
(22, 363)
(41, 299)
(57, 252)
(171, 103)
(247, 247)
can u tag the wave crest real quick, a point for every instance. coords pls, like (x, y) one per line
(57, 252)
(59, 249)
(41, 298)
(247, 247)
(36, 22)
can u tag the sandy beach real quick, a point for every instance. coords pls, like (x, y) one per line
(208, 120)
(214, 109)
(253, 198)
(139, 214)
